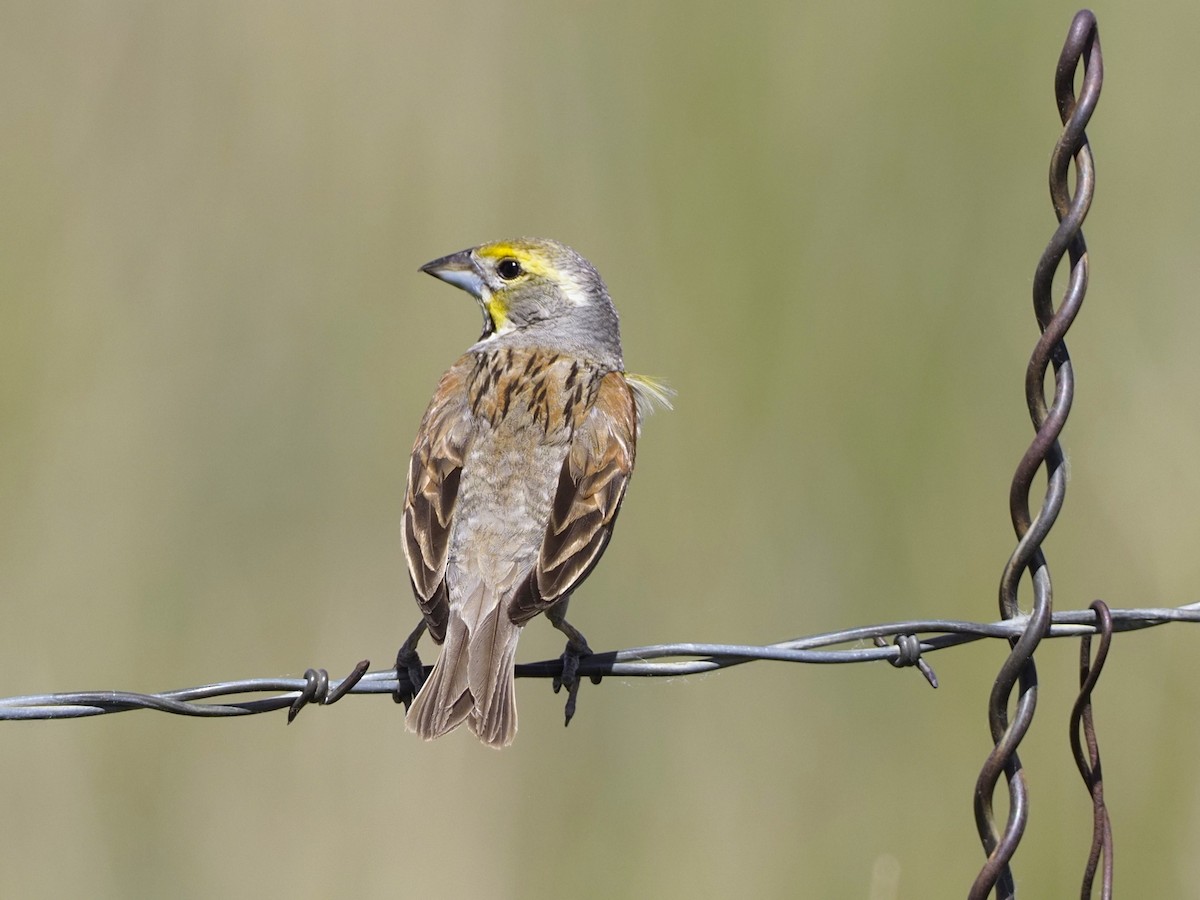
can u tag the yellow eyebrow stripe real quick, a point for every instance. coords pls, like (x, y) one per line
(533, 263)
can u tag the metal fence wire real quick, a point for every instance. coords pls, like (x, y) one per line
(912, 641)
(1019, 671)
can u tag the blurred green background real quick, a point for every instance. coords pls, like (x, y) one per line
(819, 222)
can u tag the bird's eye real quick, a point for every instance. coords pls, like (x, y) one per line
(508, 268)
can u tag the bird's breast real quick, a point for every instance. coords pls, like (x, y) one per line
(526, 406)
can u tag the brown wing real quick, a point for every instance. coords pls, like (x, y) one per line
(591, 486)
(433, 476)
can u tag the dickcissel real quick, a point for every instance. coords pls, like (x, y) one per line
(519, 468)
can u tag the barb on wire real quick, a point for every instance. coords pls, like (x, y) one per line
(318, 690)
(1018, 672)
(1086, 750)
(656, 661)
(909, 655)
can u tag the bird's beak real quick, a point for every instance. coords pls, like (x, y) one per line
(459, 270)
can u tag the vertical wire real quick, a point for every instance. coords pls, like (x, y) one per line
(1018, 670)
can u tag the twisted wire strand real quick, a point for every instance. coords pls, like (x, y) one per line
(1086, 750)
(1019, 672)
(655, 661)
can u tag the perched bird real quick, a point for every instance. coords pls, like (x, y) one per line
(519, 468)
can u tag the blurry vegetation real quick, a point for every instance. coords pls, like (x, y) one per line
(819, 222)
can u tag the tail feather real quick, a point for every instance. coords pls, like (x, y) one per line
(444, 701)
(492, 654)
(472, 681)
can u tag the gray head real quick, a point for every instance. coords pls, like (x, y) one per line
(536, 292)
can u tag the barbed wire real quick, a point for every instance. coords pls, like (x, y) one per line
(653, 661)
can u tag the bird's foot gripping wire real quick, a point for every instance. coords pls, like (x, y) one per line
(410, 673)
(577, 648)
(569, 678)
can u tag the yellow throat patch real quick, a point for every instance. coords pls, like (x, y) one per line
(498, 310)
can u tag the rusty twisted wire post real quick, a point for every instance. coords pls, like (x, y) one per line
(1018, 671)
